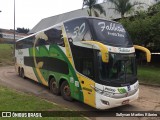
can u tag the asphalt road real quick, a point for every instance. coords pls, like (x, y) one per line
(149, 99)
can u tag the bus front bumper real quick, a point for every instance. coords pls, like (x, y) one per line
(104, 102)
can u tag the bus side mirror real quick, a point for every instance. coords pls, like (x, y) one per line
(103, 49)
(148, 53)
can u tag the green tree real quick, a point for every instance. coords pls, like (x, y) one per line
(156, 0)
(22, 30)
(139, 30)
(123, 6)
(154, 9)
(93, 7)
(144, 28)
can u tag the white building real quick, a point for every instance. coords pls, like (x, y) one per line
(9, 34)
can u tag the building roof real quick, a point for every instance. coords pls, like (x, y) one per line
(50, 21)
(110, 14)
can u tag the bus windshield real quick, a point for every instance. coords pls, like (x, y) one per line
(120, 69)
(110, 33)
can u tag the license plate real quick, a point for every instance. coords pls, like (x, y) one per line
(125, 102)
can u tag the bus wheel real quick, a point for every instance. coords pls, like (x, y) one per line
(53, 87)
(22, 73)
(65, 91)
(19, 72)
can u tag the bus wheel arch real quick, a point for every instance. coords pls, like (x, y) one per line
(65, 90)
(53, 87)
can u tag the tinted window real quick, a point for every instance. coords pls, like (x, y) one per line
(41, 39)
(19, 45)
(51, 36)
(25, 43)
(83, 60)
(51, 64)
(110, 33)
(120, 69)
(78, 29)
(55, 36)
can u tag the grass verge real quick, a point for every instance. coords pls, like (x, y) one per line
(149, 74)
(6, 54)
(11, 100)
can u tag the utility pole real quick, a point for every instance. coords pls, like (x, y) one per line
(14, 30)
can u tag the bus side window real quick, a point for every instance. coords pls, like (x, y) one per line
(84, 61)
(40, 42)
(19, 45)
(25, 43)
(87, 67)
(29, 42)
(55, 36)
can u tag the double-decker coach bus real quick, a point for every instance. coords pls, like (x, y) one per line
(88, 59)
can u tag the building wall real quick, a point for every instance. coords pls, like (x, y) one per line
(7, 36)
(11, 36)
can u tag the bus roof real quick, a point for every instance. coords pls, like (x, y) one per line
(88, 17)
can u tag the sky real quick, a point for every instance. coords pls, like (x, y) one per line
(29, 12)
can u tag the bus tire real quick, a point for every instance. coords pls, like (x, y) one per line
(53, 87)
(19, 71)
(22, 73)
(65, 91)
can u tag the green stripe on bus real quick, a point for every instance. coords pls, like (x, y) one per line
(56, 52)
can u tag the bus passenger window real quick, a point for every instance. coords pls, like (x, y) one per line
(87, 67)
(55, 36)
(19, 45)
(41, 42)
(25, 43)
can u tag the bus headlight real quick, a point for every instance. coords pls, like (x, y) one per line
(105, 102)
